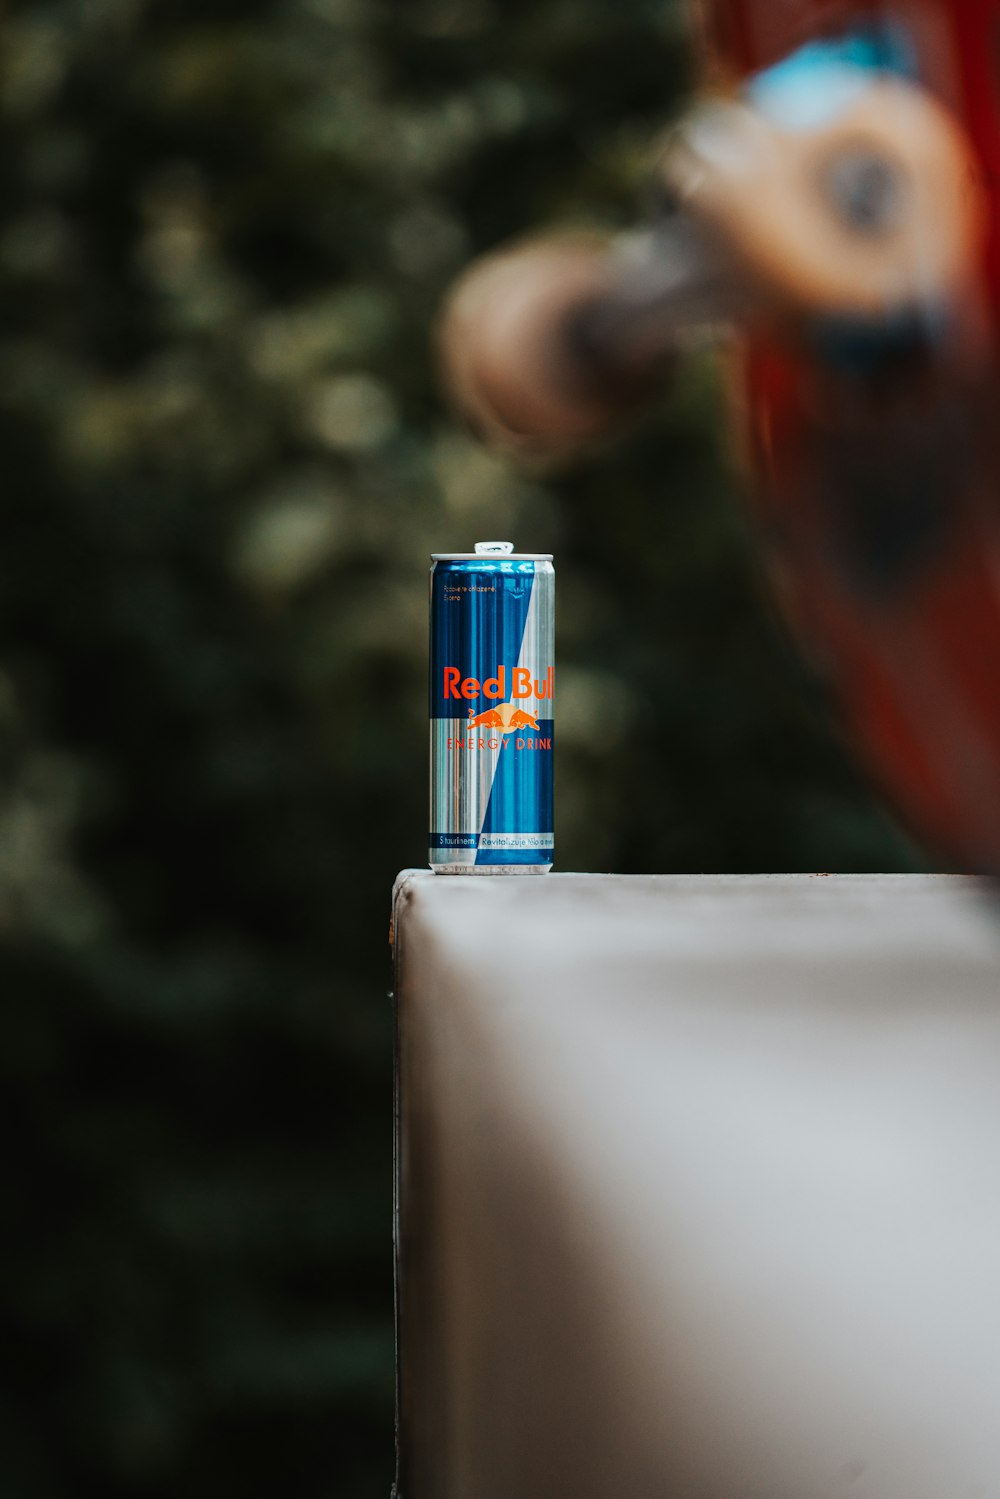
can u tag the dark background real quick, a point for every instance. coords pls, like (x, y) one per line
(226, 230)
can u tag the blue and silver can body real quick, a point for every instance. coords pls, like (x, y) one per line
(492, 688)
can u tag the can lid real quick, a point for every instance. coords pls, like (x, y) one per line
(504, 549)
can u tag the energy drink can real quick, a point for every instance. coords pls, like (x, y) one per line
(492, 686)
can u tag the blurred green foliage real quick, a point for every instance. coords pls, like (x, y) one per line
(226, 231)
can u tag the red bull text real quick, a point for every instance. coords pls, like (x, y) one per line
(492, 690)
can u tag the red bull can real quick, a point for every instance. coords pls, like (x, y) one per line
(492, 691)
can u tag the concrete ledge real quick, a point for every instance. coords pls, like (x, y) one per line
(699, 1187)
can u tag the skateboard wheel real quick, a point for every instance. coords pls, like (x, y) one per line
(510, 353)
(876, 213)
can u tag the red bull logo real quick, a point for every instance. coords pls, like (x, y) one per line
(506, 718)
(522, 685)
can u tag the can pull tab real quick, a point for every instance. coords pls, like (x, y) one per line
(501, 548)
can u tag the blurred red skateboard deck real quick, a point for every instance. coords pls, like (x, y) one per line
(879, 482)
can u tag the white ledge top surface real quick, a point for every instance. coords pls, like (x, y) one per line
(910, 931)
